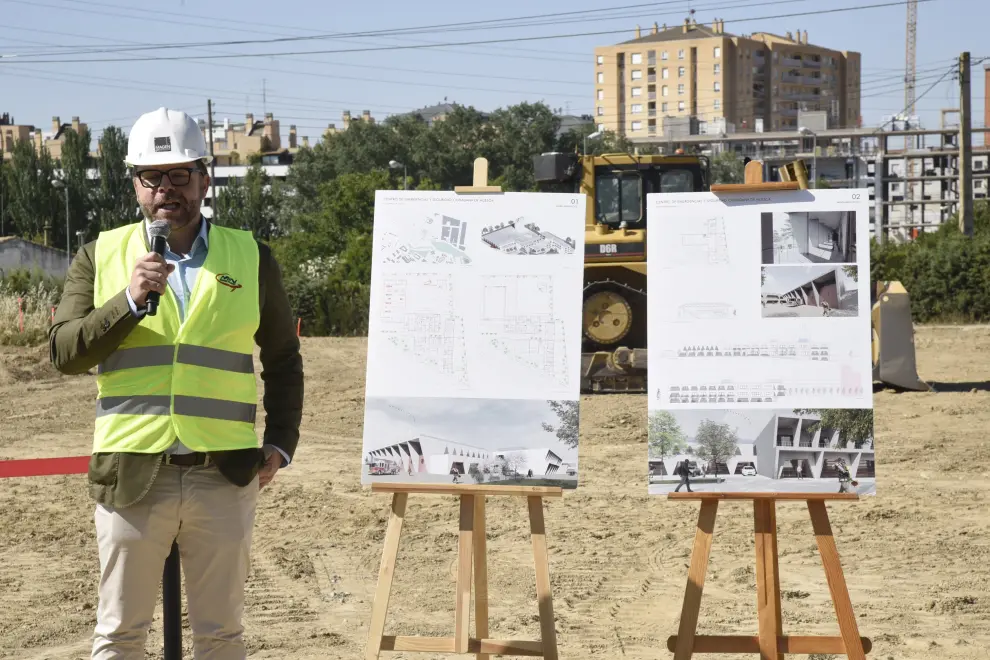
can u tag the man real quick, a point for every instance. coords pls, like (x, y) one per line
(175, 456)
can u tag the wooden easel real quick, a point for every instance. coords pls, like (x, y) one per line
(471, 551)
(471, 547)
(770, 643)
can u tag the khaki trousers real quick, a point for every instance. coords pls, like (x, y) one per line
(212, 521)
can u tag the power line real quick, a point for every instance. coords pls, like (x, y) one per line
(419, 47)
(544, 19)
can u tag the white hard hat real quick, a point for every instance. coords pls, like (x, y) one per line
(165, 136)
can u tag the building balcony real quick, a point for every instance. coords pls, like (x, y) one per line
(651, 95)
(651, 78)
(652, 112)
(792, 78)
(791, 61)
(812, 63)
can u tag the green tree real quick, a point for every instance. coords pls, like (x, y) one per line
(568, 415)
(30, 199)
(665, 437)
(853, 424)
(114, 201)
(250, 203)
(516, 134)
(76, 162)
(727, 167)
(609, 142)
(716, 443)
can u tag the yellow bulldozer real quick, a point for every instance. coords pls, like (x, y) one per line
(613, 351)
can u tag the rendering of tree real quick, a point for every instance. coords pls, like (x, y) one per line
(763, 276)
(515, 462)
(853, 424)
(716, 442)
(852, 272)
(664, 434)
(568, 414)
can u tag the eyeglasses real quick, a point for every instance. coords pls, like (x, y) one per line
(179, 176)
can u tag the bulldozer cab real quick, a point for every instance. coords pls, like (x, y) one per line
(614, 313)
(620, 183)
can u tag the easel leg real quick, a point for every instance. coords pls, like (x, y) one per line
(836, 581)
(696, 580)
(779, 617)
(385, 574)
(767, 578)
(537, 529)
(462, 616)
(480, 573)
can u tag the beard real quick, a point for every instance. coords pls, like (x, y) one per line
(177, 211)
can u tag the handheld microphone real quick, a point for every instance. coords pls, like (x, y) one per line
(158, 230)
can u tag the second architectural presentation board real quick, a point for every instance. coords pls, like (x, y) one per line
(474, 338)
(760, 362)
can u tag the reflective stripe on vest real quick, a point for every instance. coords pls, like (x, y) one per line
(191, 379)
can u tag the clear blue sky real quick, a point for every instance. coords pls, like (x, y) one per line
(312, 90)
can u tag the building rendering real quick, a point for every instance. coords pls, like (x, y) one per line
(429, 454)
(517, 238)
(788, 290)
(776, 443)
(426, 454)
(791, 440)
(795, 238)
(676, 78)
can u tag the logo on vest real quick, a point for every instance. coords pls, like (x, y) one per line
(227, 280)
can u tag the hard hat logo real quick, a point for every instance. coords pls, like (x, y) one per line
(163, 144)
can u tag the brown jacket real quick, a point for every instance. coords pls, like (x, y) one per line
(81, 337)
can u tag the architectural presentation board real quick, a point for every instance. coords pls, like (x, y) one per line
(474, 339)
(760, 359)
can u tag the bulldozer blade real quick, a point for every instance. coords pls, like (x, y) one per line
(893, 339)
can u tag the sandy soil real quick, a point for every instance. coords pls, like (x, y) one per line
(917, 557)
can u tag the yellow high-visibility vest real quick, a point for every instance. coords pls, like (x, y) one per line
(190, 379)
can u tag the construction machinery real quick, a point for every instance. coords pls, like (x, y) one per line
(613, 352)
(893, 338)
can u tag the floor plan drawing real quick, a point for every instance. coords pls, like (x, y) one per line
(517, 237)
(440, 239)
(518, 322)
(710, 245)
(418, 318)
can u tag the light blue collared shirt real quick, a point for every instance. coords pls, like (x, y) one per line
(181, 281)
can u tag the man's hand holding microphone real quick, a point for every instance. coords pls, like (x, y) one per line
(150, 275)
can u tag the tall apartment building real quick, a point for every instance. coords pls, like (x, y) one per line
(693, 78)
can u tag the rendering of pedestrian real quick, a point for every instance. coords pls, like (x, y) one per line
(685, 474)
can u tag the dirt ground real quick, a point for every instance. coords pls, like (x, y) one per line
(917, 557)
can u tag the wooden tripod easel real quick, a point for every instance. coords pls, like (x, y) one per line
(770, 643)
(471, 549)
